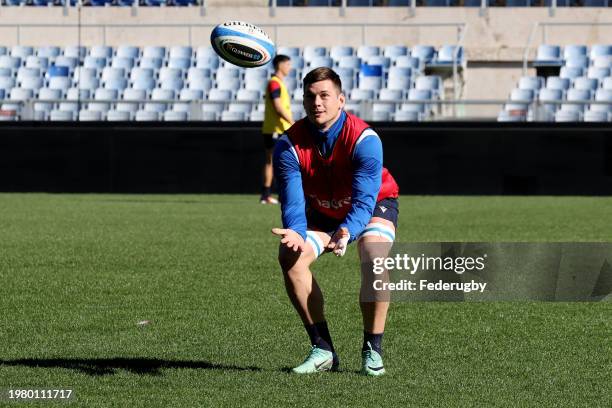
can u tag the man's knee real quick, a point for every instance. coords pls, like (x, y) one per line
(291, 260)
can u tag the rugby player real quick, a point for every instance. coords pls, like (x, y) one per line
(333, 190)
(277, 119)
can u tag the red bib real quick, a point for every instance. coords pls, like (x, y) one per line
(327, 182)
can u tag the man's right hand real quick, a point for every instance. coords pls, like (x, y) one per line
(290, 239)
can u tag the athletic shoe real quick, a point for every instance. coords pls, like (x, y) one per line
(318, 360)
(371, 363)
(268, 200)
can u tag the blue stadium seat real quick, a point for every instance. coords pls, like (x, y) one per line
(574, 50)
(603, 61)
(607, 83)
(75, 51)
(31, 83)
(6, 72)
(37, 62)
(159, 95)
(522, 95)
(429, 82)
(338, 51)
(227, 72)
(94, 62)
(586, 83)
(580, 61)
(180, 52)
(602, 95)
(131, 94)
(399, 82)
(122, 62)
(394, 51)
(64, 61)
(203, 84)
(21, 51)
(151, 62)
(400, 72)
(349, 62)
(357, 95)
(24, 72)
(425, 53)
(139, 73)
(101, 51)
(127, 51)
(232, 84)
(10, 62)
(446, 55)
(173, 84)
(571, 72)
(6, 83)
(211, 62)
(406, 116)
(62, 83)
(595, 116)
(182, 63)
(117, 116)
(118, 84)
(317, 62)
(567, 116)
(289, 51)
(383, 107)
(61, 116)
(103, 94)
(598, 73)
(366, 51)
(530, 82)
(408, 61)
(550, 95)
(387, 94)
(112, 73)
(3, 50)
(174, 116)
(549, 54)
(156, 52)
(600, 49)
(46, 94)
(86, 83)
(558, 83)
(370, 82)
(229, 116)
(169, 73)
(187, 94)
(385, 62)
(194, 72)
(240, 107)
(57, 71)
(576, 95)
(248, 95)
(146, 116)
(381, 116)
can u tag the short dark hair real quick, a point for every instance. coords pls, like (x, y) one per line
(278, 59)
(322, 74)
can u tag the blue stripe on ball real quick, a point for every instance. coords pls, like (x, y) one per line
(222, 32)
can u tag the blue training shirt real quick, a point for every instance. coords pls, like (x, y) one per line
(367, 176)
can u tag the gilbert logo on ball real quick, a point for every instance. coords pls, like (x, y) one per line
(242, 44)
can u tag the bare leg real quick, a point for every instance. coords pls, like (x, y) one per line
(267, 170)
(302, 288)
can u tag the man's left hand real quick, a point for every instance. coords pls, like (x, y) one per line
(339, 241)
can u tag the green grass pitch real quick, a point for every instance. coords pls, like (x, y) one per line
(78, 272)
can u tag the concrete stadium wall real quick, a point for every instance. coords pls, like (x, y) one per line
(425, 158)
(500, 37)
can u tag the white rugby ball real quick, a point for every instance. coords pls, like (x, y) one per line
(242, 44)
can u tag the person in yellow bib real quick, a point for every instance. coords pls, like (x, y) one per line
(277, 120)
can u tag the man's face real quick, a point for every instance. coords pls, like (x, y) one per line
(323, 103)
(284, 67)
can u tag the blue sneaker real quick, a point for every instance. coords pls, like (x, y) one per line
(318, 360)
(371, 362)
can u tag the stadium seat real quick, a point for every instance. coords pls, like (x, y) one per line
(508, 116)
(10, 62)
(175, 116)
(24, 72)
(387, 94)
(131, 94)
(203, 84)
(380, 116)
(603, 61)
(31, 83)
(48, 51)
(58, 71)
(257, 116)
(357, 95)
(138, 73)
(180, 52)
(90, 116)
(62, 83)
(558, 83)
(567, 116)
(603, 95)
(598, 73)
(6, 83)
(289, 51)
(103, 94)
(338, 51)
(61, 116)
(37, 62)
(606, 84)
(394, 51)
(383, 107)
(446, 55)
(576, 95)
(151, 62)
(425, 53)
(596, 116)
(181, 63)
(118, 84)
(101, 51)
(522, 95)
(121, 62)
(127, 51)
(226, 73)
(311, 51)
(21, 51)
(46, 94)
(317, 62)
(586, 83)
(298, 95)
(146, 116)
(3, 50)
(6, 72)
(578, 61)
(70, 62)
(550, 95)
(211, 61)
(349, 62)
(406, 116)
(94, 62)
(201, 73)
(232, 84)
(548, 54)
(155, 52)
(530, 82)
(209, 116)
(366, 51)
(174, 84)
(147, 84)
(571, 72)
(109, 73)
(409, 62)
(159, 94)
(400, 83)
(574, 50)
(228, 116)
(370, 82)
(117, 116)
(75, 51)
(385, 62)
(187, 94)
(430, 82)
(245, 108)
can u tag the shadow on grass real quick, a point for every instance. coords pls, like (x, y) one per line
(109, 366)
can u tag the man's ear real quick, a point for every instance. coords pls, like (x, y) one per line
(342, 100)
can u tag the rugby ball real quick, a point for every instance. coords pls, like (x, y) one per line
(242, 44)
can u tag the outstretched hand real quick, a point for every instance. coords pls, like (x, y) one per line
(339, 241)
(290, 239)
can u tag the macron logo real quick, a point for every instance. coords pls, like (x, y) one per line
(382, 208)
